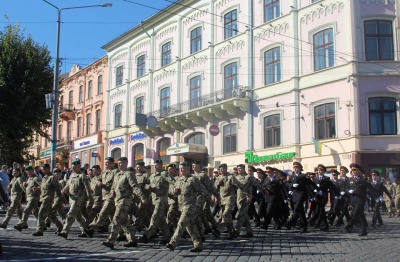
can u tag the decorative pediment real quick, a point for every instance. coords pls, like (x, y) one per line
(195, 62)
(321, 11)
(230, 46)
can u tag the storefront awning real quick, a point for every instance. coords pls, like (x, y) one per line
(185, 149)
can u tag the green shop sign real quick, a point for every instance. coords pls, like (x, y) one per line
(251, 158)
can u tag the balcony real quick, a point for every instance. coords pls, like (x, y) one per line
(221, 104)
(66, 112)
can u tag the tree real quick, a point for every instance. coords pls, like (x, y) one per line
(25, 77)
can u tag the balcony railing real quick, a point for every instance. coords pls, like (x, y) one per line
(66, 108)
(202, 101)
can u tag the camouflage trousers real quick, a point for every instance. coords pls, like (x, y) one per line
(121, 221)
(14, 207)
(198, 216)
(74, 213)
(207, 216)
(32, 206)
(388, 204)
(57, 208)
(44, 211)
(142, 215)
(186, 222)
(243, 217)
(158, 220)
(226, 214)
(94, 211)
(106, 214)
(173, 215)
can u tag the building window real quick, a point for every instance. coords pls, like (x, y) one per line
(272, 65)
(166, 54)
(140, 105)
(382, 116)
(195, 92)
(230, 79)
(323, 49)
(230, 24)
(378, 40)
(116, 154)
(119, 76)
(118, 115)
(164, 101)
(229, 132)
(88, 123)
(69, 130)
(79, 127)
(138, 153)
(271, 10)
(195, 40)
(141, 65)
(59, 132)
(45, 142)
(196, 138)
(98, 120)
(99, 85)
(163, 146)
(324, 119)
(90, 88)
(80, 98)
(93, 157)
(71, 98)
(272, 131)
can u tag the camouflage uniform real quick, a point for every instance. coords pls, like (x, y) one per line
(97, 199)
(243, 204)
(396, 195)
(124, 187)
(159, 183)
(173, 207)
(142, 213)
(32, 197)
(108, 209)
(16, 191)
(227, 186)
(76, 188)
(388, 201)
(189, 188)
(49, 188)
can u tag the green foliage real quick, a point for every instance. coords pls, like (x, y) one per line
(25, 77)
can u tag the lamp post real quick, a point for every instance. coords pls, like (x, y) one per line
(56, 76)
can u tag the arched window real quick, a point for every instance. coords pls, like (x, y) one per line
(163, 146)
(137, 153)
(116, 154)
(196, 138)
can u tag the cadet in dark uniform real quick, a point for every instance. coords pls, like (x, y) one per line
(380, 189)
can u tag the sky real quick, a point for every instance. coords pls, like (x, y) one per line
(83, 31)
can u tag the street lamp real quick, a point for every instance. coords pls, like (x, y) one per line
(56, 76)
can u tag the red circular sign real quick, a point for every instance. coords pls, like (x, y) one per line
(214, 130)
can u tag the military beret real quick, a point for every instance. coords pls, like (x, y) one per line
(56, 170)
(76, 162)
(251, 167)
(45, 166)
(185, 163)
(111, 159)
(240, 165)
(141, 163)
(321, 166)
(375, 172)
(131, 168)
(222, 165)
(82, 169)
(28, 167)
(159, 161)
(171, 165)
(297, 164)
(344, 169)
(123, 159)
(355, 166)
(96, 166)
(147, 167)
(197, 162)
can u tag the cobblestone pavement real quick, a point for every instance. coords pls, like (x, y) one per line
(381, 244)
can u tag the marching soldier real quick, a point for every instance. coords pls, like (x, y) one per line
(16, 190)
(103, 220)
(388, 201)
(76, 188)
(59, 200)
(97, 194)
(187, 188)
(380, 189)
(173, 206)
(396, 189)
(32, 191)
(122, 190)
(143, 213)
(49, 189)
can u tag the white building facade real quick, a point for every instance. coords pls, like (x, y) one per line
(266, 82)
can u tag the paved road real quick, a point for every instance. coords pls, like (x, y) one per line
(381, 244)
